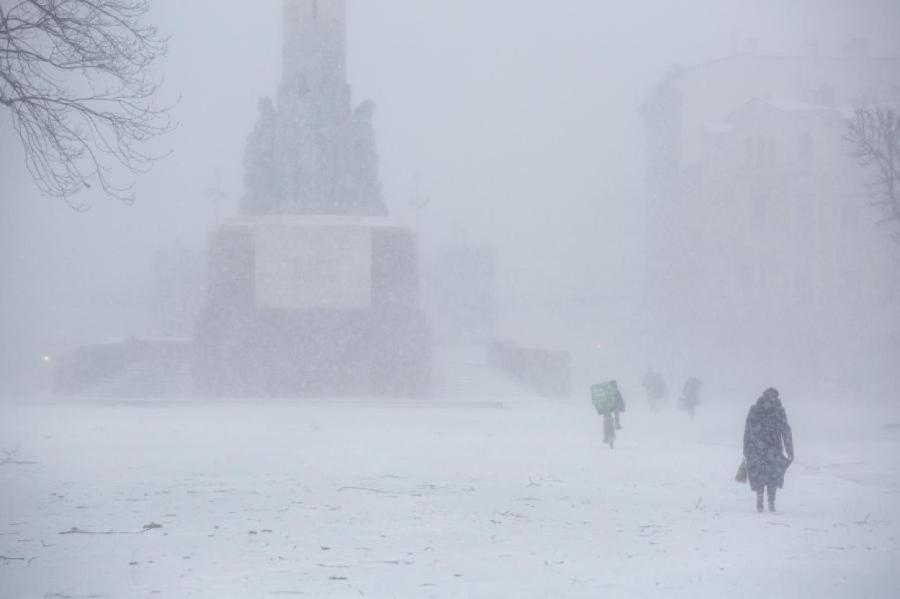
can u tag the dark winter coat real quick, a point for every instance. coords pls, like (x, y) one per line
(767, 435)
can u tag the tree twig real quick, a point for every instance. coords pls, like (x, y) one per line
(874, 135)
(4, 558)
(367, 489)
(76, 76)
(77, 531)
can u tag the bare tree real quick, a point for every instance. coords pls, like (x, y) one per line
(875, 138)
(76, 76)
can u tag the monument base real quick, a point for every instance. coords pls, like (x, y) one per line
(312, 306)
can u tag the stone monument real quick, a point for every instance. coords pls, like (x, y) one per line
(313, 290)
(313, 153)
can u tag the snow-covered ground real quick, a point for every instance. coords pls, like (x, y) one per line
(466, 499)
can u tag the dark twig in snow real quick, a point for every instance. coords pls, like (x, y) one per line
(77, 531)
(4, 558)
(8, 458)
(379, 491)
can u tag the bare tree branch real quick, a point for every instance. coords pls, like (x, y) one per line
(874, 135)
(76, 77)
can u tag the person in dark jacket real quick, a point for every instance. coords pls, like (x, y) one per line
(767, 438)
(618, 408)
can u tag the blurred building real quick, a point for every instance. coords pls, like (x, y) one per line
(460, 292)
(760, 236)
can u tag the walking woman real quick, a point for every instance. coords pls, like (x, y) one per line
(767, 438)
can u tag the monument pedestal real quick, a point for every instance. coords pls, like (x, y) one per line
(305, 306)
(312, 292)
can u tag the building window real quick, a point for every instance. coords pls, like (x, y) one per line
(805, 147)
(802, 286)
(759, 215)
(850, 282)
(888, 288)
(804, 216)
(762, 285)
(825, 95)
(745, 281)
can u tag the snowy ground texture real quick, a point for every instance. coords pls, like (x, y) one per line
(468, 500)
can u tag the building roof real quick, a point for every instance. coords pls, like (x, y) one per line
(313, 220)
(758, 107)
(749, 56)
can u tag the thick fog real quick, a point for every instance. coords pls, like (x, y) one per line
(567, 230)
(519, 122)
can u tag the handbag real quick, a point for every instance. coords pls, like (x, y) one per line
(741, 476)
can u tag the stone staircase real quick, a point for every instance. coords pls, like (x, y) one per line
(161, 371)
(464, 373)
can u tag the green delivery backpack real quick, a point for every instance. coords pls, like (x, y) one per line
(605, 396)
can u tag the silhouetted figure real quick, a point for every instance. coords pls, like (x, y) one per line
(656, 389)
(690, 395)
(609, 403)
(767, 438)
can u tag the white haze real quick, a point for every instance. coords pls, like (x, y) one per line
(519, 120)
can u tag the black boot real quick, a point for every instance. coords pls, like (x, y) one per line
(759, 501)
(771, 499)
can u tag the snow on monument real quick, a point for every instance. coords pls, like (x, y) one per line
(313, 153)
(313, 290)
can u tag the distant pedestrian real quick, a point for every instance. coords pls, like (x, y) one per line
(656, 389)
(768, 447)
(609, 403)
(690, 395)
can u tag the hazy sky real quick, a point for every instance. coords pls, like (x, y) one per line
(518, 118)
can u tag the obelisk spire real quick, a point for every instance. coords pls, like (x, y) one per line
(312, 153)
(315, 43)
